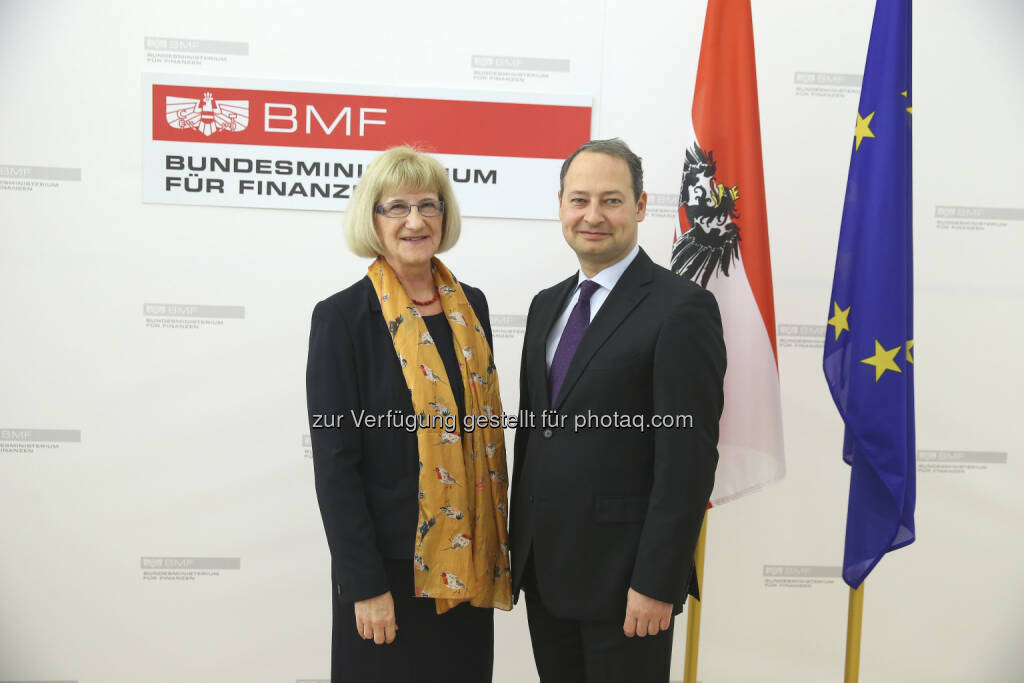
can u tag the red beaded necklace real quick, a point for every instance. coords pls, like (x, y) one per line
(437, 293)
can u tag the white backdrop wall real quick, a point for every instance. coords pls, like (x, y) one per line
(159, 522)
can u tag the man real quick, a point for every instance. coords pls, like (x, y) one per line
(606, 504)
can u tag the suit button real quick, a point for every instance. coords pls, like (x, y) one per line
(531, 499)
(547, 433)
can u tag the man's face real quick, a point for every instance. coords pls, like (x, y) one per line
(598, 210)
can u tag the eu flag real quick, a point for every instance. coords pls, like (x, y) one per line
(869, 342)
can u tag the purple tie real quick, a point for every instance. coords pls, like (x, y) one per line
(577, 325)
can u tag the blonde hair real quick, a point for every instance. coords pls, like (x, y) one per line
(398, 169)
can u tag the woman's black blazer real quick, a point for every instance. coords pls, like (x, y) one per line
(367, 479)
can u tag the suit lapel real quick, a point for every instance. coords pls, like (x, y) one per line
(629, 291)
(548, 310)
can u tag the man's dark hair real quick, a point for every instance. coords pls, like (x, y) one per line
(614, 147)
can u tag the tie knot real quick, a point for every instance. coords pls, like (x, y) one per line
(587, 289)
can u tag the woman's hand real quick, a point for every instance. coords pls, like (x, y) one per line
(375, 618)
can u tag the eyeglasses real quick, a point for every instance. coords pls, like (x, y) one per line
(429, 208)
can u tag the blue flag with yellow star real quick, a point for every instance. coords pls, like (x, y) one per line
(869, 341)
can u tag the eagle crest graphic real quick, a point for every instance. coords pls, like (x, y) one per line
(712, 242)
(208, 116)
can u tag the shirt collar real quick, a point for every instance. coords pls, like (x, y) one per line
(608, 277)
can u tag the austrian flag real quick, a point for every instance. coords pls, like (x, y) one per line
(721, 244)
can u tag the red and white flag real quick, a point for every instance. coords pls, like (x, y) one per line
(722, 244)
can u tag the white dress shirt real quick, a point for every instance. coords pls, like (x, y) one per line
(606, 280)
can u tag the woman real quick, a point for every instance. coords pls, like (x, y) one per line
(413, 504)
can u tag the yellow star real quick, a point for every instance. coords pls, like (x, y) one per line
(862, 131)
(910, 357)
(839, 320)
(883, 360)
(909, 109)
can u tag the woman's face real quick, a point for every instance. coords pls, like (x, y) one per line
(409, 242)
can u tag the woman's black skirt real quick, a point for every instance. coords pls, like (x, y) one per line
(454, 647)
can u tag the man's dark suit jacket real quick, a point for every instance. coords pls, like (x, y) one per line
(608, 509)
(367, 480)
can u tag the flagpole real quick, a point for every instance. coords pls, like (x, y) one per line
(853, 622)
(693, 610)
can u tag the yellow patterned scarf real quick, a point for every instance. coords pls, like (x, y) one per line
(461, 549)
